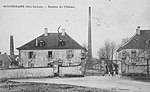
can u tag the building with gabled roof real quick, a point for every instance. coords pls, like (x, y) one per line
(138, 41)
(51, 41)
(50, 47)
(135, 48)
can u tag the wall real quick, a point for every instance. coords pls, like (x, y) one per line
(38, 72)
(139, 53)
(139, 61)
(24, 73)
(71, 70)
(134, 69)
(41, 59)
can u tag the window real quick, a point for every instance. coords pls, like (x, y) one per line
(1, 62)
(30, 65)
(41, 43)
(31, 54)
(70, 54)
(50, 54)
(133, 54)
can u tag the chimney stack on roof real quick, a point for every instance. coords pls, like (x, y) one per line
(11, 46)
(36, 42)
(45, 31)
(138, 30)
(63, 32)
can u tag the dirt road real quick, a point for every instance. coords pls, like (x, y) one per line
(104, 82)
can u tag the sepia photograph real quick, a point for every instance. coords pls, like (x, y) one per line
(74, 46)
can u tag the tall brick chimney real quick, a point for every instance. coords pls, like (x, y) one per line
(11, 46)
(89, 36)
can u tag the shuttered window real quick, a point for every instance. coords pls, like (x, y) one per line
(50, 54)
(31, 54)
(70, 54)
(133, 54)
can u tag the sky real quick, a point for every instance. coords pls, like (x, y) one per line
(111, 20)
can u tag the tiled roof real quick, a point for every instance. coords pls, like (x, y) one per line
(51, 41)
(141, 41)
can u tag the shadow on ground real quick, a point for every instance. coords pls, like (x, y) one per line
(9, 86)
(137, 76)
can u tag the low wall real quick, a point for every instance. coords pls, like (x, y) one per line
(39, 72)
(135, 69)
(27, 72)
(71, 70)
(138, 69)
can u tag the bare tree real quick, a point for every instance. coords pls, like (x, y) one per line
(108, 49)
(125, 40)
(101, 52)
(107, 46)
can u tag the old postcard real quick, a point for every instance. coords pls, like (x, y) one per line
(74, 46)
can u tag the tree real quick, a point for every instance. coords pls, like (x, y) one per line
(124, 41)
(108, 50)
(110, 47)
(101, 52)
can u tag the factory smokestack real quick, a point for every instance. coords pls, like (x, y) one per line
(89, 36)
(11, 46)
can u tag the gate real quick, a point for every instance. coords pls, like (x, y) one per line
(101, 67)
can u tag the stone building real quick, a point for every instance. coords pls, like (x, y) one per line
(137, 47)
(49, 49)
(134, 52)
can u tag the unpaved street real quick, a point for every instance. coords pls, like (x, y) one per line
(104, 82)
(45, 87)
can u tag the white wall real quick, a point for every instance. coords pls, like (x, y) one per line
(41, 59)
(39, 72)
(134, 69)
(71, 70)
(24, 73)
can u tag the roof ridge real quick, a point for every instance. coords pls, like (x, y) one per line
(51, 43)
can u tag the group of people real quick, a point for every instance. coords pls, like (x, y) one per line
(112, 69)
